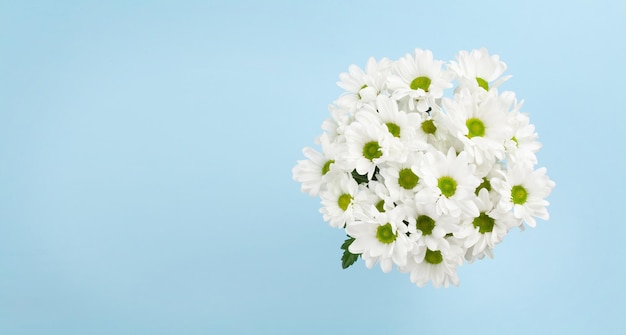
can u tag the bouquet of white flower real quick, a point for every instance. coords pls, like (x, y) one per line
(420, 180)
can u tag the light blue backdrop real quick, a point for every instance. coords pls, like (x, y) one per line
(146, 150)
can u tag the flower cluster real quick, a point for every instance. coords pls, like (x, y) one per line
(421, 180)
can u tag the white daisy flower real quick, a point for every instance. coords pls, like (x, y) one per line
(381, 238)
(313, 171)
(429, 228)
(449, 183)
(402, 180)
(478, 71)
(377, 195)
(369, 144)
(363, 86)
(480, 123)
(335, 125)
(521, 148)
(310, 172)
(494, 171)
(392, 146)
(436, 266)
(434, 129)
(483, 232)
(401, 125)
(338, 200)
(524, 191)
(421, 78)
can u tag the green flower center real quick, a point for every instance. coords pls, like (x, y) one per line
(514, 139)
(475, 127)
(426, 224)
(484, 223)
(371, 150)
(433, 257)
(429, 127)
(381, 206)
(485, 184)
(385, 234)
(394, 129)
(326, 166)
(482, 83)
(362, 87)
(447, 185)
(519, 195)
(344, 201)
(420, 82)
(407, 179)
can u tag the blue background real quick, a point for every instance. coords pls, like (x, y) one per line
(146, 151)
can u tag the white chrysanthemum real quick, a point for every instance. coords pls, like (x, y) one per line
(364, 146)
(402, 180)
(449, 183)
(429, 228)
(434, 129)
(338, 200)
(524, 191)
(478, 71)
(381, 237)
(369, 144)
(401, 125)
(392, 147)
(480, 123)
(363, 86)
(486, 175)
(521, 148)
(437, 266)
(483, 232)
(310, 172)
(375, 194)
(421, 78)
(335, 125)
(314, 172)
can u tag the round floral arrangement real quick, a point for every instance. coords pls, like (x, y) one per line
(422, 180)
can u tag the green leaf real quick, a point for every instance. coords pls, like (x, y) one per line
(362, 178)
(348, 258)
